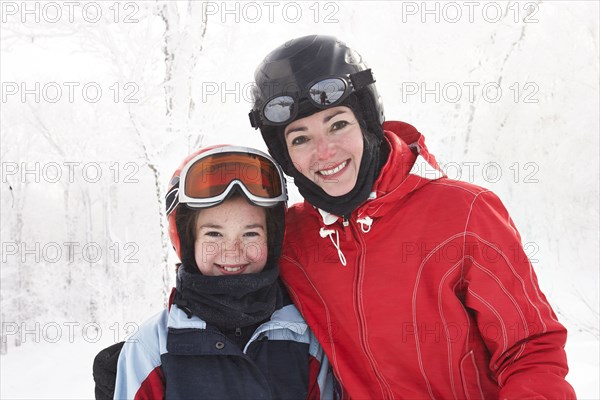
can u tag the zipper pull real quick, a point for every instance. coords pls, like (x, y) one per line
(347, 233)
(238, 332)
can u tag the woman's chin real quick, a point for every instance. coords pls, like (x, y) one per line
(336, 189)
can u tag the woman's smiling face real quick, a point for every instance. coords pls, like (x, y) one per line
(327, 148)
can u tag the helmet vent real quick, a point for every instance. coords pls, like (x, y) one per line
(352, 57)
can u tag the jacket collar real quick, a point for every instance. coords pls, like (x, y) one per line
(285, 318)
(409, 167)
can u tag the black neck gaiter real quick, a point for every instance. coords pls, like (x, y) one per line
(228, 302)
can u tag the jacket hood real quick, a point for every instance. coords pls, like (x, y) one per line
(409, 167)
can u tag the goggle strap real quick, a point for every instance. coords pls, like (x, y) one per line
(255, 120)
(172, 198)
(236, 185)
(361, 79)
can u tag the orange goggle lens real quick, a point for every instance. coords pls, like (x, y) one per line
(210, 176)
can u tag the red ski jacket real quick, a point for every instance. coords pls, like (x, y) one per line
(426, 291)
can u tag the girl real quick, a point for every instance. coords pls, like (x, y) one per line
(229, 331)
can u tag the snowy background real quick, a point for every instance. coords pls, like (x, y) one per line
(101, 101)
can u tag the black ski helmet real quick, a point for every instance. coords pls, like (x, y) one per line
(292, 68)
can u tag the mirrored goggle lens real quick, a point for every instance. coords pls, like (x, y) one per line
(210, 176)
(328, 91)
(324, 93)
(279, 109)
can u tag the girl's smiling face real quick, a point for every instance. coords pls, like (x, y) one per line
(231, 238)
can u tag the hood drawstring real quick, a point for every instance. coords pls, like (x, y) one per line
(329, 232)
(365, 223)
(329, 219)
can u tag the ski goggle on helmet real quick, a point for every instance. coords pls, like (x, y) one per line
(208, 179)
(325, 92)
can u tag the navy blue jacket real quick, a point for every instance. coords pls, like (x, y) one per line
(176, 357)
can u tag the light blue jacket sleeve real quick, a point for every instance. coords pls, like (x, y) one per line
(141, 355)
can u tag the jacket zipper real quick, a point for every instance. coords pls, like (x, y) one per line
(385, 387)
(347, 232)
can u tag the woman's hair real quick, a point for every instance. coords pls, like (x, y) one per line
(185, 221)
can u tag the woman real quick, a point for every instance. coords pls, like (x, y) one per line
(230, 331)
(416, 285)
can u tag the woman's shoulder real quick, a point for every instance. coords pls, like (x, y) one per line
(296, 208)
(300, 212)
